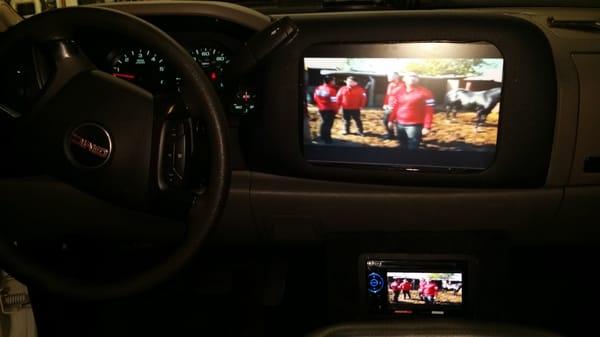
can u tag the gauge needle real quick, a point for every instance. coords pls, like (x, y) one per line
(124, 76)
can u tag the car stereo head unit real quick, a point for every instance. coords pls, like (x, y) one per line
(408, 286)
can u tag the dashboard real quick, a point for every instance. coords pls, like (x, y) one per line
(538, 170)
(543, 174)
(275, 196)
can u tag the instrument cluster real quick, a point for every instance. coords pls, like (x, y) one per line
(147, 69)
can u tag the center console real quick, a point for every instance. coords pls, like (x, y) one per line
(416, 276)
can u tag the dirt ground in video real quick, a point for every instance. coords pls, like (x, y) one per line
(444, 297)
(458, 134)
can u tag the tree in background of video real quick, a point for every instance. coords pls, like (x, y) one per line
(438, 67)
(440, 276)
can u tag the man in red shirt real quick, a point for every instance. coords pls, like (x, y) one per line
(352, 97)
(405, 287)
(412, 112)
(394, 88)
(422, 284)
(326, 100)
(430, 291)
(395, 288)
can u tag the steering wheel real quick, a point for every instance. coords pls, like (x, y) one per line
(108, 138)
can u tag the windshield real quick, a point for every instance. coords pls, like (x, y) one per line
(31, 7)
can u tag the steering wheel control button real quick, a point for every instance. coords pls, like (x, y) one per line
(175, 150)
(89, 145)
(374, 283)
(179, 157)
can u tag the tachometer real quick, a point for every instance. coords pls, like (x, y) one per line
(214, 62)
(142, 67)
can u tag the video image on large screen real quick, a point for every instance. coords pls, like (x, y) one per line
(419, 105)
(424, 288)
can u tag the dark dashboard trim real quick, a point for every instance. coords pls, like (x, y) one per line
(243, 16)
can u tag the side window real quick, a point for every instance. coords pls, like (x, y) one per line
(25, 8)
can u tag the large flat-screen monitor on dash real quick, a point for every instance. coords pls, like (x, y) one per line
(416, 106)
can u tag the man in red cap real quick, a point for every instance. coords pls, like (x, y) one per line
(412, 112)
(352, 97)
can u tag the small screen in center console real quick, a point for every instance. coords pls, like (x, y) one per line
(423, 288)
(417, 106)
(411, 286)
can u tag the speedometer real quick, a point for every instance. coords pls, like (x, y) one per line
(142, 67)
(214, 62)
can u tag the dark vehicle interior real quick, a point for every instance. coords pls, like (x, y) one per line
(165, 169)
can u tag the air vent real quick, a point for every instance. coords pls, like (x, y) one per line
(583, 25)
